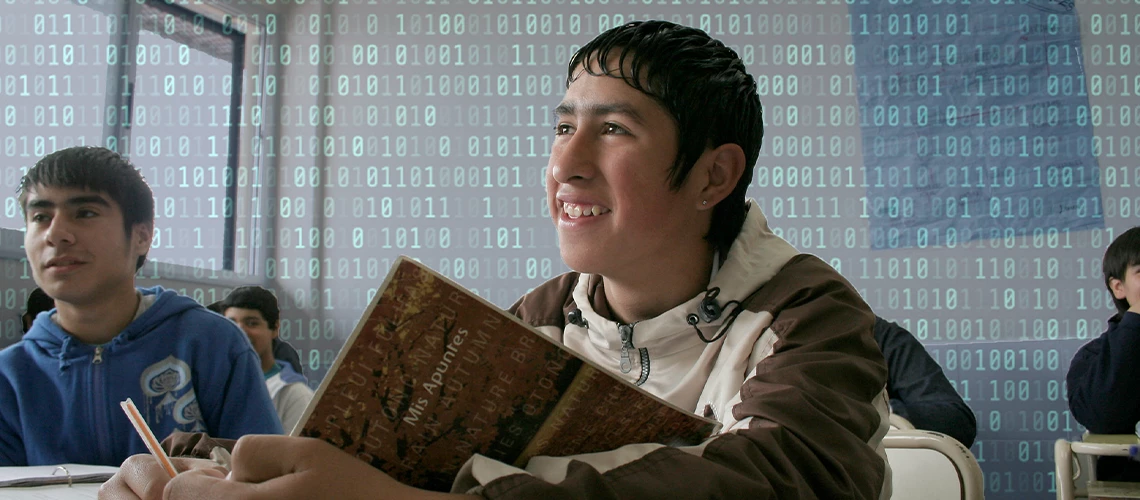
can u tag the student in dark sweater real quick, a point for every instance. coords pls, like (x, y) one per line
(1104, 377)
(918, 389)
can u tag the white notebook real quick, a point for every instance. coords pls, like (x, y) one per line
(44, 475)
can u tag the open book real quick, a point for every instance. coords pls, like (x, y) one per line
(434, 374)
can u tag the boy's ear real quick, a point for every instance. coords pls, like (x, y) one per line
(722, 167)
(1117, 287)
(141, 236)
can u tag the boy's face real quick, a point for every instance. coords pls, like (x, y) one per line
(608, 180)
(1128, 288)
(76, 246)
(255, 327)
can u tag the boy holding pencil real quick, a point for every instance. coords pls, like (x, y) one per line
(90, 219)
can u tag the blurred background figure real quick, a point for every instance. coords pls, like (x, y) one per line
(254, 309)
(919, 390)
(38, 302)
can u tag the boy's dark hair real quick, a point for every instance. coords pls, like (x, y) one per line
(38, 301)
(702, 84)
(1122, 253)
(251, 297)
(95, 169)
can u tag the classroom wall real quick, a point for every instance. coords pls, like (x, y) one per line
(999, 276)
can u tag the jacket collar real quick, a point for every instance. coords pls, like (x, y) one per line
(48, 339)
(754, 258)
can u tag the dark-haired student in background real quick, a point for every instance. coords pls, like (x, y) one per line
(1104, 377)
(919, 390)
(254, 309)
(90, 218)
(679, 287)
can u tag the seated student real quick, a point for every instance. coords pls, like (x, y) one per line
(680, 287)
(919, 390)
(38, 302)
(1104, 376)
(255, 311)
(90, 218)
(282, 350)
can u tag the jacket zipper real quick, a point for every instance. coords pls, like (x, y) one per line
(626, 364)
(626, 332)
(99, 409)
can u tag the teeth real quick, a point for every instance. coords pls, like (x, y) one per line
(575, 211)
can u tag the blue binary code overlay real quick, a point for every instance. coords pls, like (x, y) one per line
(963, 163)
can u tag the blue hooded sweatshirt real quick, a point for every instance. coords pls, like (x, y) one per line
(186, 369)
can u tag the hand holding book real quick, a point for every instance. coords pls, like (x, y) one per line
(432, 375)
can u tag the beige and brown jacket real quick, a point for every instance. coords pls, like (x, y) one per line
(796, 380)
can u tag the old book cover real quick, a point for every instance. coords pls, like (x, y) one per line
(434, 374)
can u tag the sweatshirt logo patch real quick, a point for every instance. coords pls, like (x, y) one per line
(169, 394)
(187, 413)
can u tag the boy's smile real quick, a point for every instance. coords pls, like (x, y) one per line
(63, 265)
(608, 183)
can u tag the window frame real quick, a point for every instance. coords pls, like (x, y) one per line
(257, 24)
(121, 81)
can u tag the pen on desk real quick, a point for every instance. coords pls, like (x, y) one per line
(148, 436)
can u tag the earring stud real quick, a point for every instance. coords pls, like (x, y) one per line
(704, 202)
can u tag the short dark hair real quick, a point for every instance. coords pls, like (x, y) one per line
(38, 302)
(703, 85)
(1122, 253)
(251, 297)
(95, 169)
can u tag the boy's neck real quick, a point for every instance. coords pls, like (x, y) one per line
(645, 295)
(99, 321)
(267, 363)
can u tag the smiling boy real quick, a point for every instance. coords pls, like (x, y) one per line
(679, 287)
(90, 219)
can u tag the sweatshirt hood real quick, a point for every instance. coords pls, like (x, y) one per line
(48, 339)
(288, 374)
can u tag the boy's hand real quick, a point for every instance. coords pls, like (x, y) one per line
(281, 468)
(142, 478)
